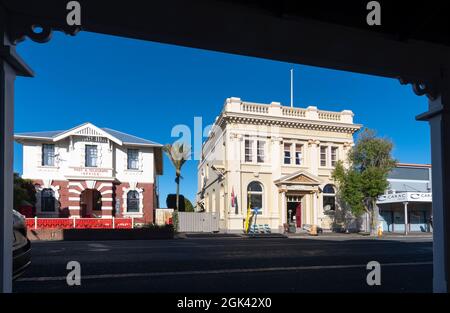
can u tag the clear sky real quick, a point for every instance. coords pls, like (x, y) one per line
(146, 88)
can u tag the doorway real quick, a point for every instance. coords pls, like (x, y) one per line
(294, 210)
(90, 203)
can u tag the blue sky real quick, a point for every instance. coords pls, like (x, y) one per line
(146, 88)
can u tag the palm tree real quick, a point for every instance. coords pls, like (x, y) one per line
(178, 154)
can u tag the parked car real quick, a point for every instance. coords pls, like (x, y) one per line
(21, 245)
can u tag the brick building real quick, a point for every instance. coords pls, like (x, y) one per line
(89, 171)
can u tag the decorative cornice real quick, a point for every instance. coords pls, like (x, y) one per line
(290, 123)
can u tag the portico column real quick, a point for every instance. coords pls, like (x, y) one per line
(283, 208)
(315, 209)
(405, 206)
(10, 66)
(233, 158)
(275, 159)
(438, 117)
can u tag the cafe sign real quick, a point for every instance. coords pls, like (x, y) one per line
(405, 197)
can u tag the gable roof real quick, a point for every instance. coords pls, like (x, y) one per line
(90, 129)
(130, 139)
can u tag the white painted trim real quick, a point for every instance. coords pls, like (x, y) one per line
(264, 195)
(76, 184)
(133, 215)
(107, 199)
(106, 192)
(141, 199)
(47, 184)
(74, 208)
(75, 191)
(74, 131)
(90, 184)
(103, 185)
(409, 180)
(74, 198)
(107, 208)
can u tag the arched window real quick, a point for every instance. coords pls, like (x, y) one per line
(255, 195)
(47, 200)
(133, 201)
(329, 198)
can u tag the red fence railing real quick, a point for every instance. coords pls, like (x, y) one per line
(79, 223)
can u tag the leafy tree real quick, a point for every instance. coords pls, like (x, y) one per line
(178, 154)
(185, 204)
(188, 207)
(24, 192)
(171, 202)
(360, 184)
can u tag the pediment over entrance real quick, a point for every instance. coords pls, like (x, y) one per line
(299, 178)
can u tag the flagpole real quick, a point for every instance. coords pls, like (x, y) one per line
(292, 87)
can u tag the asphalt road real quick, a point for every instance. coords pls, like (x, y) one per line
(228, 265)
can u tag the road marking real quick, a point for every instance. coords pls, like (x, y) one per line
(222, 271)
(97, 245)
(203, 244)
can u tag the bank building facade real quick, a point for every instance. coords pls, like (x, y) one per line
(276, 158)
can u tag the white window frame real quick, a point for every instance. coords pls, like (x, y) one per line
(264, 151)
(302, 147)
(333, 195)
(125, 212)
(336, 155)
(138, 160)
(251, 144)
(43, 155)
(263, 210)
(38, 203)
(86, 155)
(327, 156)
(290, 152)
(254, 150)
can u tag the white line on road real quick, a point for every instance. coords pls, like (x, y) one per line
(222, 271)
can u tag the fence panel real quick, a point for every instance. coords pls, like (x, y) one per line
(78, 223)
(192, 222)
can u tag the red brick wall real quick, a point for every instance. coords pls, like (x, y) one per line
(63, 198)
(63, 195)
(117, 193)
(148, 194)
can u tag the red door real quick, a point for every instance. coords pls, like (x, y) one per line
(298, 215)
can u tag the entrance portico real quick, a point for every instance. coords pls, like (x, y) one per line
(299, 193)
